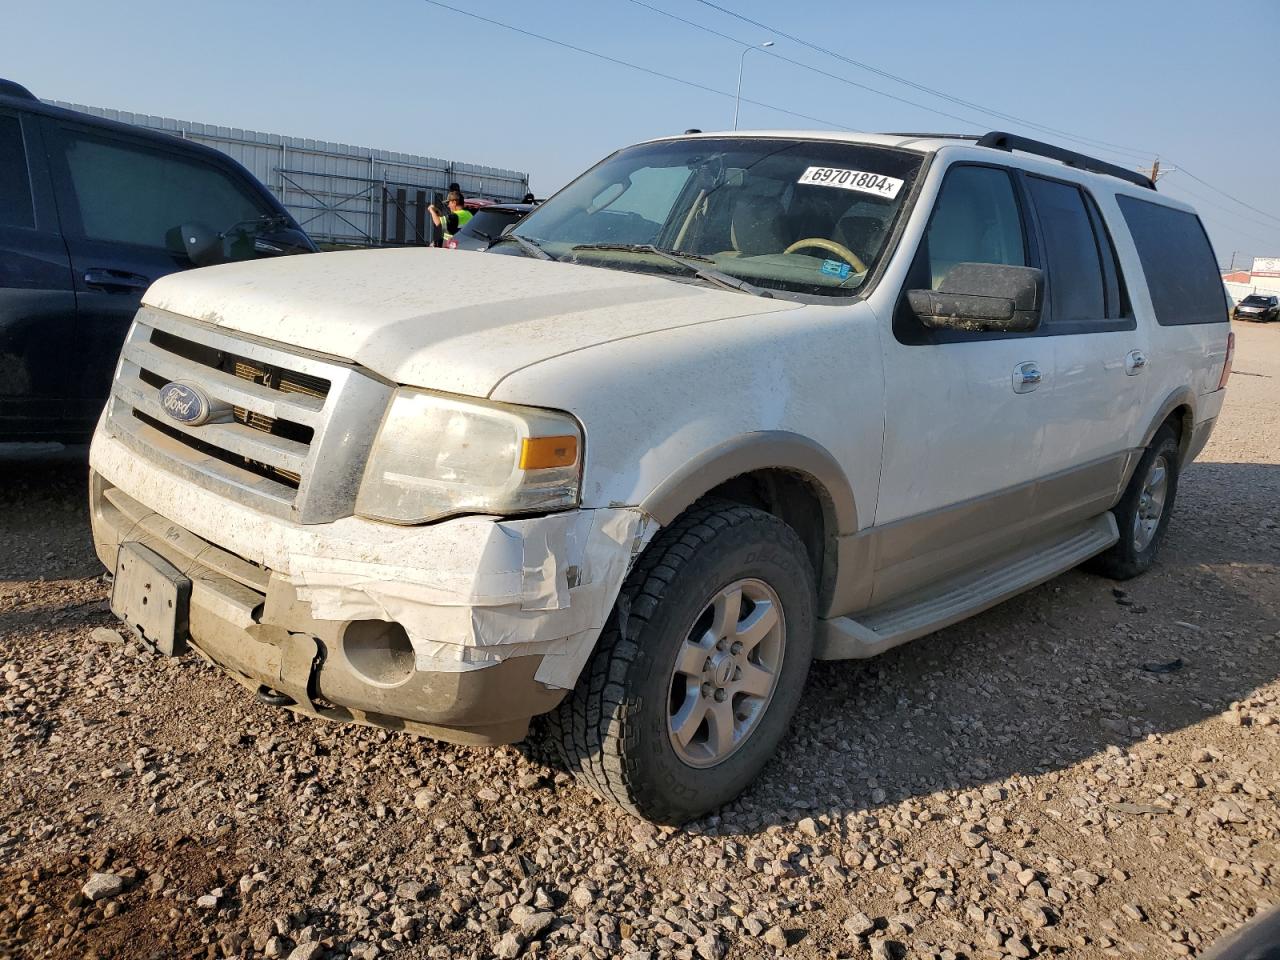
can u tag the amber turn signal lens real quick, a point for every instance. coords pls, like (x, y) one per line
(538, 453)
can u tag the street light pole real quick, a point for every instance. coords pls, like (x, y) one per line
(737, 98)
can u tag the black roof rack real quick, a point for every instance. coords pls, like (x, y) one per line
(998, 140)
(9, 88)
(937, 136)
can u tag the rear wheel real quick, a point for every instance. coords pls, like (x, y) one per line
(700, 668)
(1142, 514)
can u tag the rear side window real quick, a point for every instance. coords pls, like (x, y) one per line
(1083, 272)
(1070, 252)
(130, 193)
(1182, 274)
(16, 209)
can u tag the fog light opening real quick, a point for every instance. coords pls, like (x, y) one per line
(379, 651)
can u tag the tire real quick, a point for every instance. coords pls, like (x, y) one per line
(1137, 548)
(614, 731)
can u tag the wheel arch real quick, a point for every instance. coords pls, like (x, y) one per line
(786, 474)
(1178, 407)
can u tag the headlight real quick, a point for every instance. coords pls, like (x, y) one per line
(437, 455)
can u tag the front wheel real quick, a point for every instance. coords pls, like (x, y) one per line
(700, 668)
(1142, 515)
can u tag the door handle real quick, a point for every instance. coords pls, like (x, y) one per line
(1135, 361)
(1026, 377)
(114, 280)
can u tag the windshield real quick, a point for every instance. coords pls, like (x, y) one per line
(487, 224)
(802, 216)
(1255, 301)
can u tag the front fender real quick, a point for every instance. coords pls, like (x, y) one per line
(758, 450)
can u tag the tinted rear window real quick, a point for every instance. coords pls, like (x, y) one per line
(15, 183)
(1182, 274)
(488, 224)
(1076, 287)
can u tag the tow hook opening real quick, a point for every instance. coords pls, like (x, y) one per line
(379, 651)
(274, 698)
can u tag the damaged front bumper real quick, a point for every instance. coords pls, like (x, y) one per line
(461, 630)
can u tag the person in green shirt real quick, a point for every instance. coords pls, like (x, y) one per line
(451, 222)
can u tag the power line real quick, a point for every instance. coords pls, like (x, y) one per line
(1103, 144)
(1200, 198)
(634, 66)
(1248, 206)
(1232, 226)
(1097, 144)
(769, 106)
(802, 65)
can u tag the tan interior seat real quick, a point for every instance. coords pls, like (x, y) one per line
(757, 228)
(862, 235)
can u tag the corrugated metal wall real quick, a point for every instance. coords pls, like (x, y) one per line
(339, 193)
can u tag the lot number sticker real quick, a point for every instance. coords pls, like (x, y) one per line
(859, 180)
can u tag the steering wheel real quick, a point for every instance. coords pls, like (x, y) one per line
(839, 249)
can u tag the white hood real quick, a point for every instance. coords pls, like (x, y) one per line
(444, 319)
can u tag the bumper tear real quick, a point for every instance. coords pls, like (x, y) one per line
(516, 601)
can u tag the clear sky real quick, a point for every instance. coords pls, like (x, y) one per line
(1193, 82)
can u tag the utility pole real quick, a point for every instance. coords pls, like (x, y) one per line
(1154, 173)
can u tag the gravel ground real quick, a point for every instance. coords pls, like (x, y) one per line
(1084, 772)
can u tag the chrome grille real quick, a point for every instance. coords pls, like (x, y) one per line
(278, 413)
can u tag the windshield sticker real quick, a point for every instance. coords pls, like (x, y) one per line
(834, 268)
(858, 180)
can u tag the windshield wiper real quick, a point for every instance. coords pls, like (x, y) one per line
(531, 247)
(683, 260)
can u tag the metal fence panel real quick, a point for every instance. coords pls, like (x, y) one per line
(1267, 286)
(339, 193)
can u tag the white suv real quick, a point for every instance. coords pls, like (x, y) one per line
(725, 404)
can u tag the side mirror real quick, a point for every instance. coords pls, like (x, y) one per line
(202, 245)
(981, 297)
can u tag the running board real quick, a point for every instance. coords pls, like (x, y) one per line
(876, 630)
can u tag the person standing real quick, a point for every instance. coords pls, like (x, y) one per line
(452, 219)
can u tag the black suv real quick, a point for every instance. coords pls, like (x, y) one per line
(1258, 306)
(91, 212)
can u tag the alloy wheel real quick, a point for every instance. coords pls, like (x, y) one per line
(725, 672)
(1151, 500)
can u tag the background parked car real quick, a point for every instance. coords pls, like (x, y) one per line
(91, 212)
(1258, 306)
(487, 224)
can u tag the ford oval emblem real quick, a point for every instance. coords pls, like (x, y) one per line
(184, 403)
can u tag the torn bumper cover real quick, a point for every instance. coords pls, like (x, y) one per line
(462, 629)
